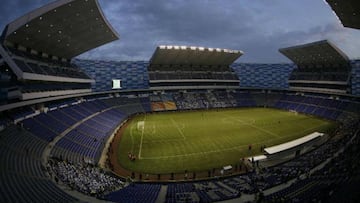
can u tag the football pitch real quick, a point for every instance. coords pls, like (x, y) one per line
(172, 142)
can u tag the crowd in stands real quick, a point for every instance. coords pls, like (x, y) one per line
(162, 102)
(135, 193)
(84, 178)
(188, 101)
(22, 175)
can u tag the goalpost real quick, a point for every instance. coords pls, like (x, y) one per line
(140, 125)
(293, 111)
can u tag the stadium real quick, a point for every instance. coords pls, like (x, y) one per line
(190, 124)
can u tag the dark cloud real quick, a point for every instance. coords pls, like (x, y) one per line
(259, 28)
(11, 10)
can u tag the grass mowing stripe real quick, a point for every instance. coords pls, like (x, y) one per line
(177, 127)
(252, 125)
(214, 138)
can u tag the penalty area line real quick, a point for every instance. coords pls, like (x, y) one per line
(178, 128)
(200, 153)
(254, 126)
(141, 139)
(239, 147)
(132, 138)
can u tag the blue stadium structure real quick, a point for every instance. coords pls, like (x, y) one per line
(355, 77)
(133, 75)
(268, 76)
(58, 113)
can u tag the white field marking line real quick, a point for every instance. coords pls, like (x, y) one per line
(166, 140)
(163, 140)
(154, 129)
(228, 120)
(254, 126)
(222, 150)
(178, 128)
(207, 152)
(132, 138)
(141, 139)
(216, 151)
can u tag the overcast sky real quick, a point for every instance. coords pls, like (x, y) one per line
(257, 27)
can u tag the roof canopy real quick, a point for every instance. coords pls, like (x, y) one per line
(348, 12)
(193, 56)
(64, 28)
(316, 53)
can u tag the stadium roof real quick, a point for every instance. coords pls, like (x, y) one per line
(195, 56)
(348, 12)
(320, 52)
(64, 28)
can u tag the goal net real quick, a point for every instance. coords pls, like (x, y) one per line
(140, 125)
(293, 111)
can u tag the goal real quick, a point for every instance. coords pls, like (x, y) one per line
(140, 125)
(293, 111)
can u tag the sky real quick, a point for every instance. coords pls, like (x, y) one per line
(256, 27)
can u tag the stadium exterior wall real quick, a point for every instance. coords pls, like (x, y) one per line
(355, 77)
(133, 74)
(268, 76)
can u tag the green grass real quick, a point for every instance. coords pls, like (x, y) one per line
(201, 140)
